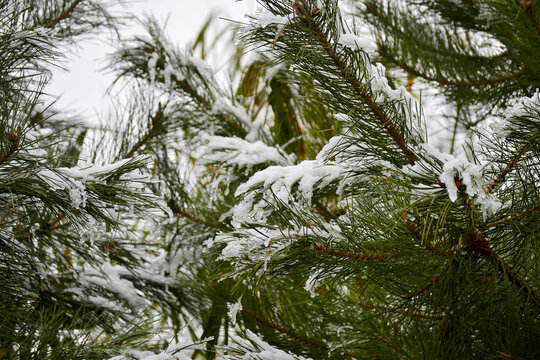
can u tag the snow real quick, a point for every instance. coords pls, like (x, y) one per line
(221, 106)
(179, 351)
(91, 171)
(277, 185)
(470, 176)
(263, 18)
(254, 348)
(312, 282)
(152, 62)
(236, 151)
(234, 309)
(450, 170)
(355, 42)
(109, 277)
(73, 179)
(520, 107)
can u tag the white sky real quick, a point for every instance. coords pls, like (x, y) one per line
(82, 88)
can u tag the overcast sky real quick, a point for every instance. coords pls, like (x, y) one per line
(83, 86)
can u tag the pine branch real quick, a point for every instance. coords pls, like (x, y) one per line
(176, 209)
(6, 211)
(528, 7)
(513, 218)
(369, 305)
(64, 14)
(355, 84)
(479, 244)
(276, 327)
(357, 256)
(14, 139)
(508, 356)
(443, 81)
(500, 178)
(387, 342)
(422, 289)
(417, 235)
(157, 121)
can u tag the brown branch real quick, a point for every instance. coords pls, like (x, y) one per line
(528, 7)
(276, 327)
(348, 75)
(507, 356)
(479, 244)
(513, 218)
(6, 211)
(174, 208)
(358, 256)
(387, 342)
(194, 218)
(64, 14)
(499, 179)
(443, 81)
(369, 305)
(14, 139)
(157, 120)
(422, 289)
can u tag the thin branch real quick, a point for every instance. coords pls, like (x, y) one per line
(499, 179)
(528, 7)
(349, 76)
(507, 356)
(479, 245)
(174, 208)
(157, 120)
(6, 211)
(422, 289)
(358, 256)
(387, 342)
(513, 218)
(369, 305)
(14, 139)
(443, 81)
(278, 328)
(419, 238)
(64, 14)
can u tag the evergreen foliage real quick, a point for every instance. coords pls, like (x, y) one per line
(312, 203)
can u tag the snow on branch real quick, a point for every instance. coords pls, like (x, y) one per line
(276, 183)
(239, 152)
(252, 347)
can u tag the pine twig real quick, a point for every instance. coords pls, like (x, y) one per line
(443, 81)
(6, 211)
(513, 218)
(64, 14)
(507, 356)
(357, 256)
(527, 6)
(500, 178)
(479, 244)
(157, 120)
(348, 75)
(14, 139)
(422, 289)
(277, 327)
(174, 208)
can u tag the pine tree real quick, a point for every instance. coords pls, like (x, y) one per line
(362, 183)
(71, 208)
(325, 207)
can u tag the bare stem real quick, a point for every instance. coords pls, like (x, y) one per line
(64, 14)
